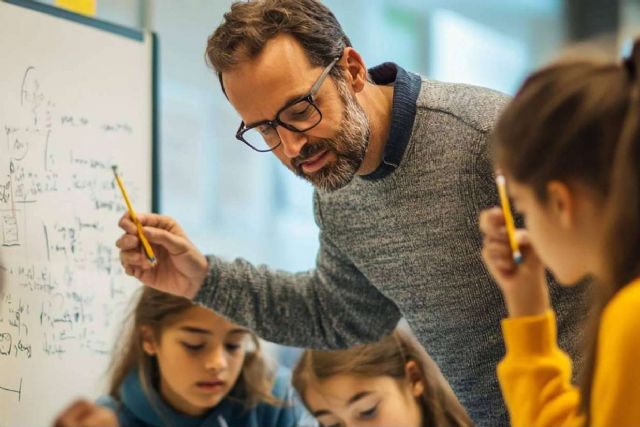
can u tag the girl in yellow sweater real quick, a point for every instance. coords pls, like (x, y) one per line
(569, 146)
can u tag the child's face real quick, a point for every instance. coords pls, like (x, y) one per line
(349, 401)
(565, 230)
(200, 356)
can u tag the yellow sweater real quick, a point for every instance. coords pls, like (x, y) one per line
(535, 374)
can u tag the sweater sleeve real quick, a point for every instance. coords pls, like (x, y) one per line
(332, 306)
(615, 396)
(535, 375)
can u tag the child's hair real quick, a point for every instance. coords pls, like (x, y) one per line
(157, 310)
(387, 357)
(578, 121)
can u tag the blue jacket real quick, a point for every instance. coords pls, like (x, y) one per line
(137, 409)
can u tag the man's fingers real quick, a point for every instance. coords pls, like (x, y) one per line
(160, 221)
(127, 224)
(175, 245)
(128, 242)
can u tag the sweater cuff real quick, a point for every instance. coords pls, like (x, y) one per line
(530, 335)
(207, 291)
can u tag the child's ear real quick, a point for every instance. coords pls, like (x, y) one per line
(561, 201)
(148, 340)
(414, 377)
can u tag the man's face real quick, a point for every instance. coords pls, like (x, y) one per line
(328, 155)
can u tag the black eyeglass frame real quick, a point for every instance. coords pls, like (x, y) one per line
(310, 98)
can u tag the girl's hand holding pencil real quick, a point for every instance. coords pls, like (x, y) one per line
(523, 285)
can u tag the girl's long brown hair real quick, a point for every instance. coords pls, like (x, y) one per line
(156, 310)
(578, 121)
(387, 357)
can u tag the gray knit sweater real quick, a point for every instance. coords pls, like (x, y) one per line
(404, 245)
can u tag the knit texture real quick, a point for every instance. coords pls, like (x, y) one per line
(404, 245)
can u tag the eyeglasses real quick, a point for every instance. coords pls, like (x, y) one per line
(299, 115)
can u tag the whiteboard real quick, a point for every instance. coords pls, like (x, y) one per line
(74, 99)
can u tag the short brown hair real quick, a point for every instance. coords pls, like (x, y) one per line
(387, 357)
(248, 26)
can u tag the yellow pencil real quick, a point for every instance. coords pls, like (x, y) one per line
(145, 243)
(508, 218)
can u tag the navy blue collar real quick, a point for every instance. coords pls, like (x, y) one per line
(405, 95)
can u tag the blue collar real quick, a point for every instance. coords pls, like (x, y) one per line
(148, 406)
(405, 95)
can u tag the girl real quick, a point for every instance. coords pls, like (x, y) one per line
(389, 383)
(569, 145)
(183, 365)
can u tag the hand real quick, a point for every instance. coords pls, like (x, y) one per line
(181, 267)
(82, 413)
(523, 286)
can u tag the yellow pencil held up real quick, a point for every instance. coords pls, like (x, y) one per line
(508, 218)
(145, 243)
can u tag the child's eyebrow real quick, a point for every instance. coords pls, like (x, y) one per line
(358, 396)
(196, 330)
(351, 401)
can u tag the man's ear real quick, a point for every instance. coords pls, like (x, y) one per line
(355, 68)
(561, 202)
(148, 340)
(414, 377)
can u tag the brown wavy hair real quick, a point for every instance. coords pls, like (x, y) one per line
(249, 25)
(387, 357)
(578, 120)
(157, 310)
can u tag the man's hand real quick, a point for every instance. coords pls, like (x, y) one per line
(181, 267)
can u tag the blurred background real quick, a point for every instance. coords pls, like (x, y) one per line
(238, 203)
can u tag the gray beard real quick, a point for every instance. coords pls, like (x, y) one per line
(349, 145)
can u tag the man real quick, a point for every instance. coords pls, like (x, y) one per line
(401, 172)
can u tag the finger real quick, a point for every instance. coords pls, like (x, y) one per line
(499, 235)
(163, 222)
(127, 224)
(128, 242)
(175, 244)
(522, 237)
(99, 417)
(133, 258)
(491, 219)
(70, 416)
(498, 259)
(495, 250)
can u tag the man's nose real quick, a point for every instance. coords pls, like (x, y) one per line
(292, 142)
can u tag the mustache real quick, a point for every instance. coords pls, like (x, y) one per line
(308, 151)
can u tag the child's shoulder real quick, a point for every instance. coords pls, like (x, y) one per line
(125, 417)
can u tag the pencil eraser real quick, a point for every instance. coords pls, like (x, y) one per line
(517, 257)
